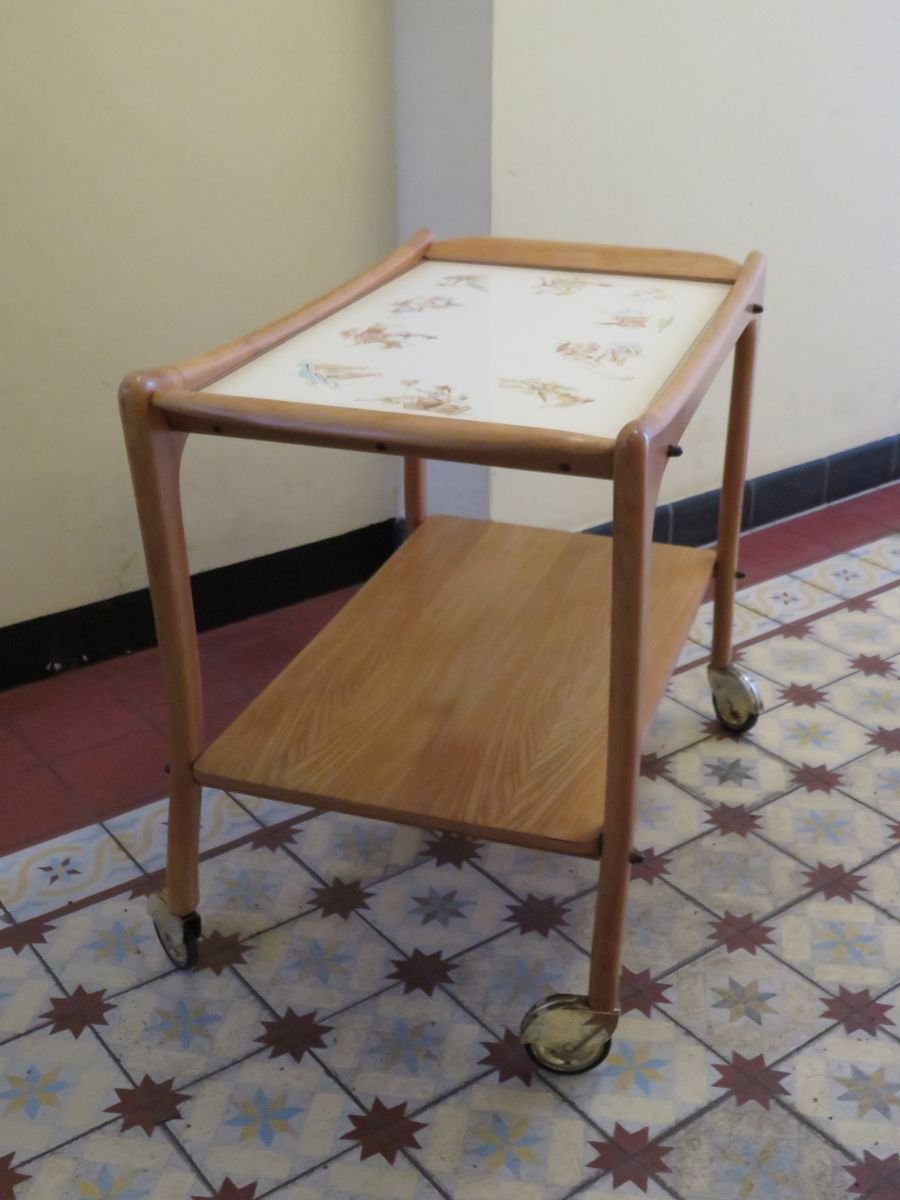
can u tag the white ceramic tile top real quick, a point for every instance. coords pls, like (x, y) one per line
(571, 351)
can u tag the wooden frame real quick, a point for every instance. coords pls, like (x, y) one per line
(161, 407)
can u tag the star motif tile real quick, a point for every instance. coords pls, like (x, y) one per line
(811, 735)
(109, 1165)
(662, 928)
(56, 873)
(25, 988)
(404, 1047)
(246, 890)
(315, 962)
(183, 1026)
(52, 1089)
(728, 772)
(851, 1088)
(505, 1140)
(872, 701)
(727, 872)
(348, 1178)
(855, 631)
(748, 1003)
(845, 575)
(673, 727)
(875, 779)
(111, 945)
(438, 908)
(785, 599)
(666, 815)
(754, 1152)
(748, 623)
(824, 827)
(335, 844)
(788, 660)
(143, 832)
(264, 1121)
(884, 882)
(840, 943)
(654, 1076)
(524, 870)
(885, 552)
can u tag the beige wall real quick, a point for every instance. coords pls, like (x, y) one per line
(723, 127)
(174, 174)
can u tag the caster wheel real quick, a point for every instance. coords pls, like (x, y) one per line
(564, 1035)
(735, 698)
(178, 936)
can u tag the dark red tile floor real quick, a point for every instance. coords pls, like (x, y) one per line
(89, 744)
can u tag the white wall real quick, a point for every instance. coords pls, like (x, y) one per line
(442, 76)
(174, 175)
(723, 127)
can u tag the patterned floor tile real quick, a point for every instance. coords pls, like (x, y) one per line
(690, 652)
(796, 660)
(666, 816)
(183, 1026)
(439, 908)
(754, 1153)
(840, 943)
(318, 962)
(110, 1165)
(752, 1004)
(851, 1088)
(525, 870)
(729, 772)
(500, 981)
(404, 1047)
(857, 632)
(57, 872)
(654, 1076)
(824, 827)
(25, 988)
(672, 728)
(785, 599)
(347, 1178)
(248, 889)
(505, 1141)
(265, 1121)
(270, 812)
(53, 1087)
(736, 872)
(884, 882)
(875, 779)
(814, 736)
(883, 553)
(111, 945)
(661, 927)
(354, 848)
(872, 702)
(845, 575)
(888, 603)
(692, 689)
(747, 624)
(143, 832)
(623, 1171)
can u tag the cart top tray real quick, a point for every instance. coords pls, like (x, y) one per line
(580, 352)
(465, 687)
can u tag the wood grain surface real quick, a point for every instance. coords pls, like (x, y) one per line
(464, 687)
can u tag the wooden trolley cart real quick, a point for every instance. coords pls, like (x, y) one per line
(491, 679)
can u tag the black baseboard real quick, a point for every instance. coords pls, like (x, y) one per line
(782, 494)
(32, 650)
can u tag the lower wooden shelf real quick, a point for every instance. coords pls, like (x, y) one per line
(463, 688)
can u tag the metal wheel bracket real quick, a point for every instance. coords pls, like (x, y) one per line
(565, 1035)
(179, 936)
(735, 697)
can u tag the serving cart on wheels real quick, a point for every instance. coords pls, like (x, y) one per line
(491, 679)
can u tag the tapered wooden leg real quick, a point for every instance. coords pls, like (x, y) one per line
(636, 482)
(732, 501)
(414, 501)
(154, 452)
